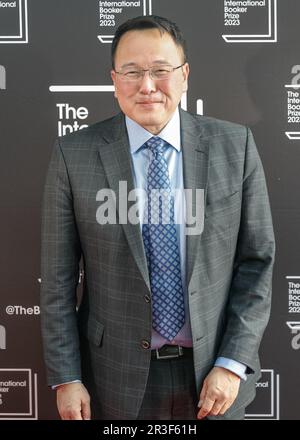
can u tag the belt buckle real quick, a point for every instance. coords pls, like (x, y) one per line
(169, 356)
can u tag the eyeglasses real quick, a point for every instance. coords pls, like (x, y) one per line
(134, 74)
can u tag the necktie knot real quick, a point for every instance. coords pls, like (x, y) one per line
(156, 145)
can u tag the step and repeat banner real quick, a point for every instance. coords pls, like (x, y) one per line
(55, 79)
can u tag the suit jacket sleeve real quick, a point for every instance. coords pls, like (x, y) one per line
(60, 257)
(248, 307)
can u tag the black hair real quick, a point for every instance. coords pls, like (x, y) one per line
(149, 22)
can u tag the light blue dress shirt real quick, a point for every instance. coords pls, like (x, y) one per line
(173, 155)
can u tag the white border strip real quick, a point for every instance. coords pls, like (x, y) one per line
(74, 88)
(293, 325)
(294, 86)
(293, 136)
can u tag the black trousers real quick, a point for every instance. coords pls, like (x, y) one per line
(171, 392)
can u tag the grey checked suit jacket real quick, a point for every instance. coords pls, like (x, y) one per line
(229, 266)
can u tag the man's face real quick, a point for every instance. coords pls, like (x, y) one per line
(150, 103)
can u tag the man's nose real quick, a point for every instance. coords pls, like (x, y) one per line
(147, 84)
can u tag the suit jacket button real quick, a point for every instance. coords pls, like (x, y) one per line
(145, 344)
(147, 298)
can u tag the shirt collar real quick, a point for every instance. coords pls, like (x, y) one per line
(138, 135)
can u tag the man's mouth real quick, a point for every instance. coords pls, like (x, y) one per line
(149, 102)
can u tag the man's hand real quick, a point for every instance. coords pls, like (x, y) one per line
(73, 402)
(218, 393)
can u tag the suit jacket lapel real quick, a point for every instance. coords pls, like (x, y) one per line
(195, 152)
(115, 155)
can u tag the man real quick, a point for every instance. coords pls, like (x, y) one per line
(170, 323)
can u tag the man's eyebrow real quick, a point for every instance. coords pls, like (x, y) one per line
(129, 65)
(157, 62)
(161, 62)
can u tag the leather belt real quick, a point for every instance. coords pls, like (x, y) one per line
(170, 352)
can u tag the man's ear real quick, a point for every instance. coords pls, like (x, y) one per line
(113, 77)
(186, 72)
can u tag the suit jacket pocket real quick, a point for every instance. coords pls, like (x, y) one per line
(223, 205)
(95, 331)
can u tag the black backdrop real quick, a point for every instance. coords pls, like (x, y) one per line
(245, 66)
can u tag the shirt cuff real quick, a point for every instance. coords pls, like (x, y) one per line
(231, 365)
(65, 383)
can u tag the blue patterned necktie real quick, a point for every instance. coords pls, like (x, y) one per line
(161, 246)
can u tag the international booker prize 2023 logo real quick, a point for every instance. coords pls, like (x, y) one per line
(71, 118)
(112, 14)
(18, 394)
(266, 405)
(18, 389)
(13, 22)
(293, 104)
(293, 285)
(250, 21)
